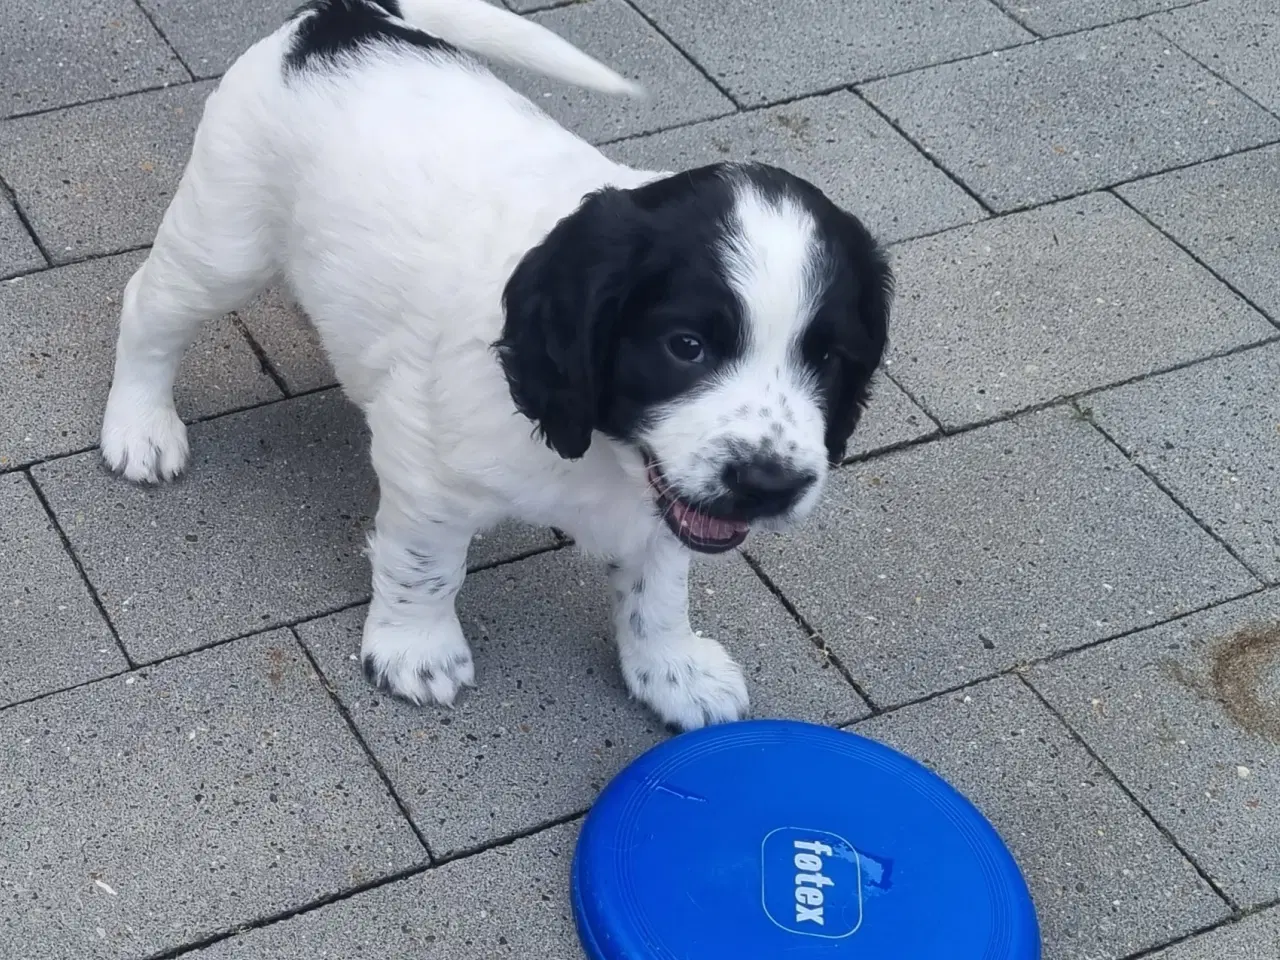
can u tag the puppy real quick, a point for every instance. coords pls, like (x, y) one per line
(655, 363)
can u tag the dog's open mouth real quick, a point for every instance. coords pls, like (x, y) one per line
(695, 529)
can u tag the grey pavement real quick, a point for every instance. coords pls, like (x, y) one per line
(1050, 569)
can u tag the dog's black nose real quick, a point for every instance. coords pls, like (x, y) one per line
(765, 487)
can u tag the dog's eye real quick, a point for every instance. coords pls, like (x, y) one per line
(686, 348)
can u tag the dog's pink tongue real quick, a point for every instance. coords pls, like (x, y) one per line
(707, 528)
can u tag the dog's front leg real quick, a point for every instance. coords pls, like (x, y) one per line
(413, 645)
(687, 679)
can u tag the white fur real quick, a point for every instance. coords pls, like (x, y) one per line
(394, 196)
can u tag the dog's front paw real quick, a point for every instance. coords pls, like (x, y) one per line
(144, 441)
(689, 686)
(419, 663)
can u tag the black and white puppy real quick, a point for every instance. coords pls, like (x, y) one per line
(693, 350)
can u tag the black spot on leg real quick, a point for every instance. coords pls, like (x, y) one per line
(437, 584)
(433, 583)
(637, 624)
(776, 430)
(765, 413)
(377, 678)
(637, 586)
(426, 675)
(644, 678)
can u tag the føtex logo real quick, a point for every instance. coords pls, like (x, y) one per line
(811, 882)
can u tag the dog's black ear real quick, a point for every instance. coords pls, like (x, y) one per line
(865, 337)
(562, 305)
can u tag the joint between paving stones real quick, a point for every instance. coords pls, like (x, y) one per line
(75, 560)
(264, 361)
(919, 402)
(1020, 668)
(1229, 921)
(813, 635)
(205, 942)
(927, 154)
(671, 41)
(498, 843)
(364, 745)
(291, 624)
(1274, 321)
(1057, 655)
(189, 948)
(90, 101)
(1218, 76)
(1173, 497)
(8, 193)
(1012, 15)
(1133, 798)
(165, 39)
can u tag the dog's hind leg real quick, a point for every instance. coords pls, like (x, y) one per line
(212, 253)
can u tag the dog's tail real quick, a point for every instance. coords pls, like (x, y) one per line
(489, 31)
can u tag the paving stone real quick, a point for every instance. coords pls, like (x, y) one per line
(975, 553)
(549, 722)
(1187, 715)
(1048, 17)
(891, 419)
(840, 144)
(765, 52)
(151, 810)
(511, 901)
(267, 527)
(57, 346)
(289, 341)
(57, 52)
(1007, 314)
(1226, 212)
(51, 634)
(1105, 881)
(1211, 435)
(211, 38)
(1239, 39)
(17, 251)
(530, 6)
(1253, 938)
(1071, 114)
(615, 34)
(97, 178)
(509, 541)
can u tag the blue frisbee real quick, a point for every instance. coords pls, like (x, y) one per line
(769, 839)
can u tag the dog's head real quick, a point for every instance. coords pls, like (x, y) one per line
(724, 323)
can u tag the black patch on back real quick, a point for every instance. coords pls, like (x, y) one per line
(330, 29)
